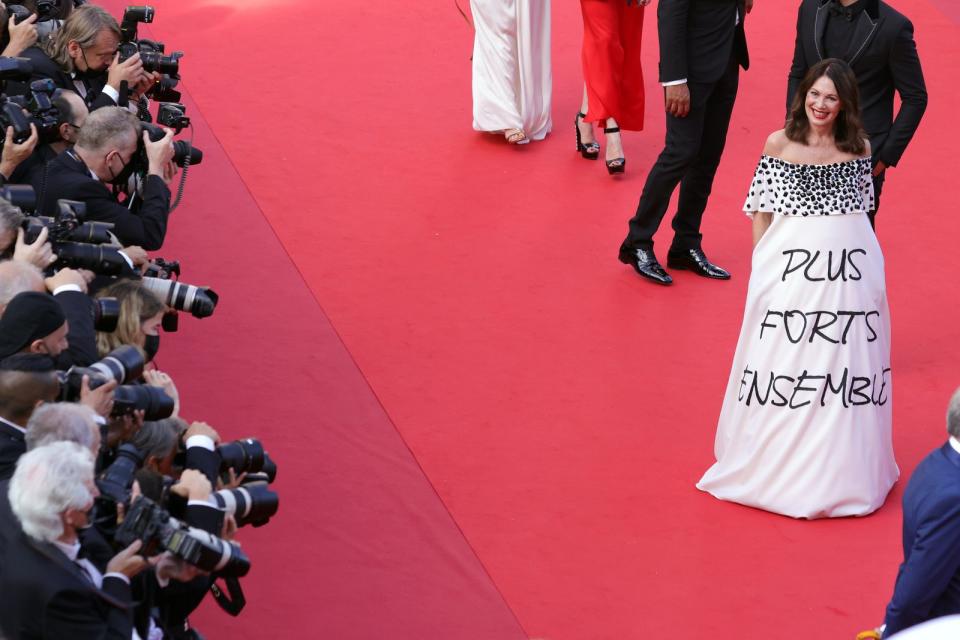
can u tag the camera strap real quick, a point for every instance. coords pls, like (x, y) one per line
(236, 602)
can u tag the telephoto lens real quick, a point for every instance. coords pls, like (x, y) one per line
(198, 301)
(153, 401)
(160, 532)
(246, 456)
(252, 503)
(21, 196)
(117, 479)
(106, 314)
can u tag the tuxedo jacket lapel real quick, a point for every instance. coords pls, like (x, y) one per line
(863, 33)
(819, 29)
(56, 556)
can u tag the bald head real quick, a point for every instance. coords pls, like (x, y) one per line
(16, 277)
(72, 114)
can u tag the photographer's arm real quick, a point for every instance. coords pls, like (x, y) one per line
(200, 441)
(14, 153)
(22, 36)
(69, 287)
(146, 229)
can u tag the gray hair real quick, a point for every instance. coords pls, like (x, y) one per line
(953, 415)
(158, 438)
(10, 216)
(47, 482)
(17, 276)
(63, 422)
(108, 126)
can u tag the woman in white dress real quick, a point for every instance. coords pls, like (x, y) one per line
(805, 428)
(511, 68)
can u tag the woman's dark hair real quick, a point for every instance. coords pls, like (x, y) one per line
(847, 129)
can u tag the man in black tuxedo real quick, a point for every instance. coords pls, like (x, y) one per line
(105, 153)
(20, 394)
(82, 56)
(702, 47)
(49, 589)
(928, 583)
(877, 42)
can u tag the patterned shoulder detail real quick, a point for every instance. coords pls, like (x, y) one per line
(789, 189)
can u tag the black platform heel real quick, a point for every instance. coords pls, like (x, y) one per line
(617, 165)
(591, 150)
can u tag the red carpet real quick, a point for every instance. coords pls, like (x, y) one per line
(561, 408)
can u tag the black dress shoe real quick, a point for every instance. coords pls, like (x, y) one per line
(645, 263)
(694, 260)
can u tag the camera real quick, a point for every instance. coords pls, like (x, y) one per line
(11, 115)
(151, 52)
(173, 115)
(123, 364)
(184, 153)
(246, 456)
(198, 301)
(164, 269)
(165, 90)
(251, 503)
(106, 314)
(132, 16)
(77, 245)
(43, 113)
(21, 196)
(46, 10)
(159, 532)
(117, 479)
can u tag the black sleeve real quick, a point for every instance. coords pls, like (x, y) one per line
(81, 337)
(73, 614)
(146, 228)
(798, 68)
(672, 29)
(206, 517)
(908, 81)
(205, 461)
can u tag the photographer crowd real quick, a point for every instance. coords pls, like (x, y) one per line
(117, 515)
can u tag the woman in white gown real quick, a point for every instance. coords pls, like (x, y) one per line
(805, 428)
(512, 81)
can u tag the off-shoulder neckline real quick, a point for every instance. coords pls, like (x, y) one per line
(798, 164)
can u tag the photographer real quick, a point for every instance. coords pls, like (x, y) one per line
(16, 38)
(141, 313)
(49, 591)
(71, 115)
(20, 394)
(82, 56)
(107, 152)
(33, 323)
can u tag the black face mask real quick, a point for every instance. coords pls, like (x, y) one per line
(121, 179)
(151, 344)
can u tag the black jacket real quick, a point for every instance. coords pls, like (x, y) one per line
(45, 596)
(44, 67)
(66, 176)
(82, 335)
(697, 36)
(12, 446)
(883, 55)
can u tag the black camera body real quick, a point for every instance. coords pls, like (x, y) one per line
(44, 115)
(173, 115)
(46, 10)
(77, 245)
(159, 532)
(184, 153)
(151, 52)
(11, 115)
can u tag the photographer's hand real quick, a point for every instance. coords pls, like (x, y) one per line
(128, 71)
(159, 379)
(138, 256)
(122, 428)
(39, 254)
(22, 36)
(99, 399)
(201, 429)
(147, 80)
(159, 153)
(128, 563)
(77, 277)
(193, 485)
(13, 153)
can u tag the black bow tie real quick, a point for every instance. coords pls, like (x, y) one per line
(837, 9)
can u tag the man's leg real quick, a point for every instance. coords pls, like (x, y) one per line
(697, 183)
(680, 150)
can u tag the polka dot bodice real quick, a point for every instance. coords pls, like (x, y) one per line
(789, 189)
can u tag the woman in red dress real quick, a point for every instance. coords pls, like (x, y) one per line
(613, 77)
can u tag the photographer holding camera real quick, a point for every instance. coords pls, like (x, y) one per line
(49, 590)
(71, 114)
(108, 151)
(82, 56)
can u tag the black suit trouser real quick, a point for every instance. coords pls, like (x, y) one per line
(690, 158)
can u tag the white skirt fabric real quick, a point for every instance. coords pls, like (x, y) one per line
(512, 81)
(805, 429)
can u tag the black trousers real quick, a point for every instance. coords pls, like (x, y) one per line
(877, 188)
(690, 158)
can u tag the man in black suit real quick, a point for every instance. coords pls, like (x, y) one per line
(877, 42)
(104, 154)
(82, 56)
(928, 583)
(21, 392)
(702, 47)
(49, 589)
